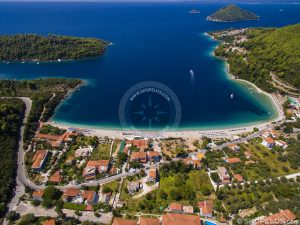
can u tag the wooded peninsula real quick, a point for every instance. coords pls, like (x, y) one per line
(33, 47)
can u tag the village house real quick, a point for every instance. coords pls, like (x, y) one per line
(55, 178)
(224, 175)
(175, 207)
(70, 194)
(153, 156)
(39, 160)
(282, 217)
(106, 197)
(188, 209)
(94, 167)
(234, 147)
(268, 142)
(206, 208)
(83, 152)
(139, 143)
(121, 221)
(75, 195)
(133, 187)
(271, 133)
(232, 160)
(153, 175)
(180, 219)
(238, 177)
(281, 144)
(140, 157)
(248, 154)
(195, 163)
(148, 221)
(38, 195)
(49, 222)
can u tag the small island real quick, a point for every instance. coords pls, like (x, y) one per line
(33, 47)
(232, 13)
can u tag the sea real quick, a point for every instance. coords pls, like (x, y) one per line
(159, 46)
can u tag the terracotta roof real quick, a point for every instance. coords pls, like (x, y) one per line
(50, 137)
(149, 221)
(269, 140)
(38, 158)
(138, 155)
(121, 221)
(88, 195)
(89, 208)
(38, 193)
(175, 206)
(49, 222)
(206, 206)
(97, 163)
(153, 173)
(71, 192)
(180, 219)
(281, 217)
(153, 154)
(238, 177)
(233, 160)
(56, 177)
(140, 143)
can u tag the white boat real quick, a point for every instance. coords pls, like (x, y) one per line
(231, 96)
(38, 63)
(194, 11)
(22, 62)
(192, 72)
(59, 60)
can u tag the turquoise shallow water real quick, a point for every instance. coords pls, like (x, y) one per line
(158, 42)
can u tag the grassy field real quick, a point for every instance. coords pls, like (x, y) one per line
(101, 152)
(112, 185)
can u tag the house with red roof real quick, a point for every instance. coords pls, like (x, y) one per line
(39, 160)
(282, 217)
(121, 221)
(55, 178)
(153, 156)
(180, 219)
(94, 167)
(38, 195)
(233, 160)
(238, 177)
(206, 208)
(268, 142)
(140, 157)
(148, 221)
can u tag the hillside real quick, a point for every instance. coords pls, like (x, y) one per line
(32, 47)
(11, 115)
(262, 53)
(232, 13)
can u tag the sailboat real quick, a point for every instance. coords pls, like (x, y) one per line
(231, 96)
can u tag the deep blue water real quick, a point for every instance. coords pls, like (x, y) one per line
(151, 42)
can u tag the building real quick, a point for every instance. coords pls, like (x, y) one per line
(70, 194)
(238, 177)
(282, 217)
(140, 157)
(248, 154)
(268, 142)
(281, 144)
(121, 221)
(133, 187)
(175, 207)
(94, 167)
(90, 197)
(49, 222)
(188, 209)
(234, 147)
(195, 163)
(206, 208)
(232, 160)
(180, 219)
(139, 143)
(38, 195)
(224, 175)
(83, 152)
(153, 175)
(149, 221)
(106, 197)
(39, 159)
(55, 178)
(153, 156)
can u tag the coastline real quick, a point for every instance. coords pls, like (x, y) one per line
(226, 132)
